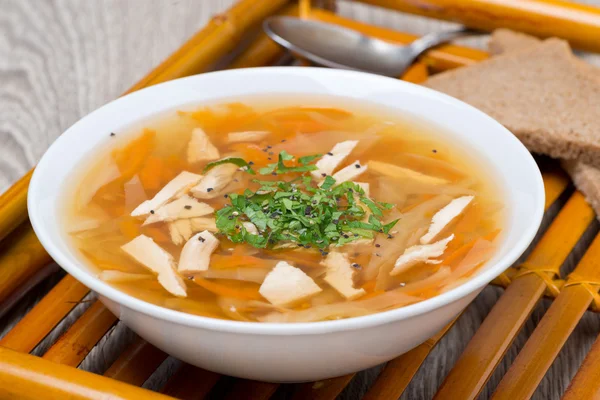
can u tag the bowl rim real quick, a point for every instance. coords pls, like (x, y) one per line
(300, 328)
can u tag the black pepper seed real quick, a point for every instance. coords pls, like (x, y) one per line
(250, 162)
(345, 236)
(283, 141)
(377, 245)
(226, 195)
(230, 217)
(188, 207)
(378, 255)
(151, 211)
(314, 202)
(390, 236)
(269, 147)
(274, 173)
(209, 190)
(269, 158)
(113, 134)
(356, 165)
(335, 221)
(434, 150)
(200, 238)
(323, 174)
(355, 265)
(330, 154)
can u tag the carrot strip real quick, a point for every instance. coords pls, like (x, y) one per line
(131, 158)
(130, 227)
(233, 261)
(151, 173)
(462, 251)
(244, 292)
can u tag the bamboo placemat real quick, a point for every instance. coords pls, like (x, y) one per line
(53, 373)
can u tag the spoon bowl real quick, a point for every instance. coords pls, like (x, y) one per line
(338, 47)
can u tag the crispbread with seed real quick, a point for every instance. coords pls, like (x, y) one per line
(541, 93)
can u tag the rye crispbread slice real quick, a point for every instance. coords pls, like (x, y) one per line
(585, 177)
(540, 93)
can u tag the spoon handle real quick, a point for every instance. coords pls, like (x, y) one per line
(430, 40)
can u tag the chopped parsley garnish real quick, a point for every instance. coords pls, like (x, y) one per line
(240, 162)
(299, 212)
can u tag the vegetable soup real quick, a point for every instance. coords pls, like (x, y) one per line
(265, 210)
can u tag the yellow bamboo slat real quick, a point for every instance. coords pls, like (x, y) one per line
(586, 383)
(72, 347)
(13, 204)
(327, 389)
(439, 59)
(497, 332)
(577, 23)
(27, 377)
(244, 389)
(262, 51)
(554, 329)
(191, 382)
(416, 73)
(398, 373)
(219, 37)
(136, 363)
(21, 256)
(40, 320)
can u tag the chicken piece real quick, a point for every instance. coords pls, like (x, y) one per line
(200, 147)
(340, 275)
(180, 231)
(247, 136)
(330, 161)
(195, 255)
(182, 208)
(156, 259)
(174, 189)
(110, 275)
(349, 172)
(203, 224)
(250, 228)
(394, 171)
(286, 285)
(420, 253)
(215, 181)
(446, 215)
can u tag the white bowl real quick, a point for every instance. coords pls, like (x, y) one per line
(302, 351)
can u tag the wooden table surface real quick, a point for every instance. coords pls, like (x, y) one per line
(59, 60)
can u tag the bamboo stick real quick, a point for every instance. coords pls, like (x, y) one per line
(439, 59)
(577, 23)
(327, 389)
(263, 51)
(72, 347)
(552, 332)
(191, 382)
(13, 202)
(497, 332)
(416, 73)
(27, 377)
(399, 372)
(137, 363)
(586, 383)
(21, 256)
(244, 389)
(215, 40)
(40, 320)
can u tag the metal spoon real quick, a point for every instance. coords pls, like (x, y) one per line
(337, 47)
